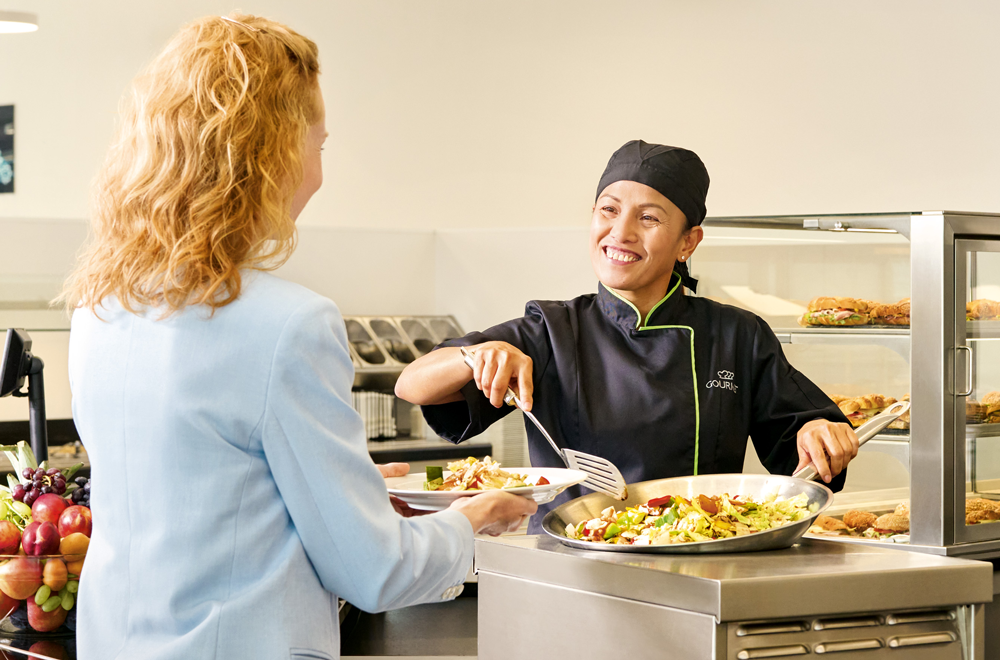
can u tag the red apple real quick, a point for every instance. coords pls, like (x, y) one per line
(20, 577)
(45, 621)
(48, 508)
(40, 539)
(10, 538)
(7, 605)
(75, 519)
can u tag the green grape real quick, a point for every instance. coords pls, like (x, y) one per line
(51, 604)
(72, 586)
(42, 594)
(67, 602)
(22, 509)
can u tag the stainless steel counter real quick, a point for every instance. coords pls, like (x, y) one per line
(816, 597)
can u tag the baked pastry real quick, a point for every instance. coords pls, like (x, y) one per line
(830, 524)
(902, 422)
(982, 310)
(862, 408)
(891, 314)
(859, 521)
(978, 510)
(980, 516)
(991, 408)
(835, 312)
(838, 399)
(981, 504)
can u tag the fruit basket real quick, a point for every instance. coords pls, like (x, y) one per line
(45, 527)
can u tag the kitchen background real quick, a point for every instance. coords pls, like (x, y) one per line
(466, 140)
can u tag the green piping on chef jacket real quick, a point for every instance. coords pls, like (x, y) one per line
(641, 325)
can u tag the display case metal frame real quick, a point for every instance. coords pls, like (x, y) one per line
(937, 335)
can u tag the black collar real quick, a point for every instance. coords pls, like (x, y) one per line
(626, 315)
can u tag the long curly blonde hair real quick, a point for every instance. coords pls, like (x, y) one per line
(198, 184)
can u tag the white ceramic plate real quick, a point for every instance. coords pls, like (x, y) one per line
(410, 488)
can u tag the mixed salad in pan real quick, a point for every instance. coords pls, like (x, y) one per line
(674, 519)
(470, 474)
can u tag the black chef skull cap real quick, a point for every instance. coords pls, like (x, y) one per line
(677, 174)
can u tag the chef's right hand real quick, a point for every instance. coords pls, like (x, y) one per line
(495, 512)
(499, 366)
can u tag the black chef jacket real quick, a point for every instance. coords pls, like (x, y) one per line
(674, 396)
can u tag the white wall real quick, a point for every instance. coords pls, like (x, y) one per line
(448, 113)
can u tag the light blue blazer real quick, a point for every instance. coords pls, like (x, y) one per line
(233, 495)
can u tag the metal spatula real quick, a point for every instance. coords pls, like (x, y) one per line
(602, 475)
(865, 432)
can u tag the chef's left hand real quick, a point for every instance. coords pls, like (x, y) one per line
(828, 446)
(399, 470)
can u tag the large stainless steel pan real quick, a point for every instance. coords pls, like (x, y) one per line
(757, 486)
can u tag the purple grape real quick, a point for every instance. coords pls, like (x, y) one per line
(30, 498)
(39, 473)
(18, 493)
(59, 490)
(86, 487)
(52, 472)
(28, 473)
(81, 480)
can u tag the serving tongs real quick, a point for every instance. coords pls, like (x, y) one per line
(865, 432)
(602, 475)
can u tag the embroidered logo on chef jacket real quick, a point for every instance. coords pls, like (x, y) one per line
(723, 382)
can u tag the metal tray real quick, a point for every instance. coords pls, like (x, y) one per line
(753, 485)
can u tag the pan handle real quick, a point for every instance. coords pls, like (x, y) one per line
(866, 432)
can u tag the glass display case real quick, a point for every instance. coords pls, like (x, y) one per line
(945, 356)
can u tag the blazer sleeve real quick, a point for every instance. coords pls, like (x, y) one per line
(783, 401)
(315, 446)
(460, 420)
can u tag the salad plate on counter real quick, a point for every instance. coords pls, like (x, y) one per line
(436, 489)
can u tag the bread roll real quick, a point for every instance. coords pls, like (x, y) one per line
(893, 522)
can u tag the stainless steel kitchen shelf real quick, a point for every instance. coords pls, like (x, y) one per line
(382, 346)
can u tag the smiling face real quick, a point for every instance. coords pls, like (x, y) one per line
(636, 236)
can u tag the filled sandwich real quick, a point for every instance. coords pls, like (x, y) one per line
(991, 408)
(835, 312)
(902, 423)
(891, 314)
(862, 408)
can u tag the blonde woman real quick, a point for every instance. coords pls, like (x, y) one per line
(233, 495)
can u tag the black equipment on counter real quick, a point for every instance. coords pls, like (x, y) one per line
(16, 363)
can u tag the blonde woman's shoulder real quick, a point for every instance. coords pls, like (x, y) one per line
(280, 296)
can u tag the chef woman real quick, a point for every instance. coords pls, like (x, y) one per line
(661, 383)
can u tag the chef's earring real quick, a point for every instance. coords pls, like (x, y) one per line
(683, 257)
